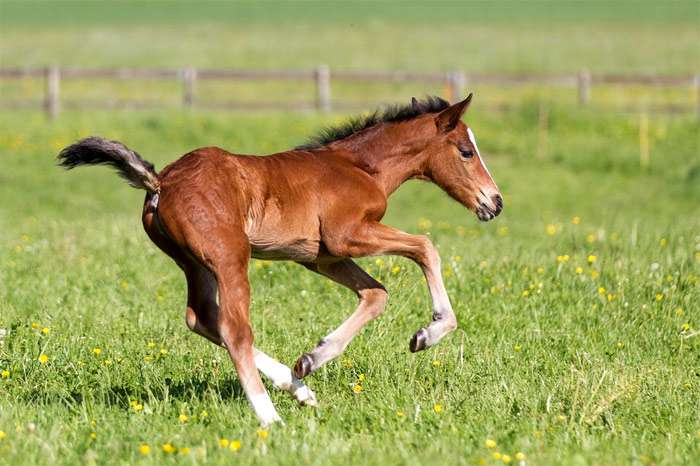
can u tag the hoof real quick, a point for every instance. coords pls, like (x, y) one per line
(306, 397)
(419, 341)
(269, 422)
(302, 368)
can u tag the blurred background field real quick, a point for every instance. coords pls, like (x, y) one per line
(578, 306)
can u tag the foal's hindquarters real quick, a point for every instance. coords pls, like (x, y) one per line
(189, 222)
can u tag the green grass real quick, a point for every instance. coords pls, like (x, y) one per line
(566, 375)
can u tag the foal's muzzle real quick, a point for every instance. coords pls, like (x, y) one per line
(489, 209)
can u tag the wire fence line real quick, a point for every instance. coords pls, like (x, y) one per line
(455, 83)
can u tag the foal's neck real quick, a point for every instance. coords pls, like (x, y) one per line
(383, 153)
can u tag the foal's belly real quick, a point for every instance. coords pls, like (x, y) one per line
(301, 249)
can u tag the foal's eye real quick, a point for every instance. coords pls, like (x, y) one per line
(467, 154)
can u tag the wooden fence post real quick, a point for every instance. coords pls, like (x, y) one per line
(53, 88)
(456, 82)
(584, 87)
(189, 86)
(323, 88)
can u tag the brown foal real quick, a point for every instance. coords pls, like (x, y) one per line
(320, 205)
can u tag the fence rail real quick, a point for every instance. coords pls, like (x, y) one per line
(455, 83)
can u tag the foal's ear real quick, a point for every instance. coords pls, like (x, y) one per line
(417, 106)
(447, 119)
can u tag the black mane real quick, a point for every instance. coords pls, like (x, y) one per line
(390, 114)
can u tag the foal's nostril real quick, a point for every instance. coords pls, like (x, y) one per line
(498, 202)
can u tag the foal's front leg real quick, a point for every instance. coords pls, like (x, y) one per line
(372, 297)
(375, 239)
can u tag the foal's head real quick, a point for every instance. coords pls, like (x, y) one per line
(454, 163)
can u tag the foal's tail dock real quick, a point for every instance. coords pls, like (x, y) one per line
(139, 173)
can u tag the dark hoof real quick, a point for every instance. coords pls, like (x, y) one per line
(302, 368)
(419, 341)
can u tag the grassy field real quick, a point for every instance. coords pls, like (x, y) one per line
(579, 337)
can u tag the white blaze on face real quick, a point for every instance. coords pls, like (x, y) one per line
(472, 139)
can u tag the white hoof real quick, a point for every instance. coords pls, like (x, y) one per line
(303, 394)
(264, 423)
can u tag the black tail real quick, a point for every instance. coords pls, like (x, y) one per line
(138, 172)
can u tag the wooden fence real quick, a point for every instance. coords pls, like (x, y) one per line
(455, 82)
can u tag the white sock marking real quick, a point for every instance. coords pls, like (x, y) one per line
(264, 409)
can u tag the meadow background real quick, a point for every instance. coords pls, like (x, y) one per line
(578, 307)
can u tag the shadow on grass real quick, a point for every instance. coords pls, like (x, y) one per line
(121, 396)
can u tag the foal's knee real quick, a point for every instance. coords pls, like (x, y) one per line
(375, 299)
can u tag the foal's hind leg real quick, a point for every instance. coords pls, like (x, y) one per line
(202, 318)
(372, 301)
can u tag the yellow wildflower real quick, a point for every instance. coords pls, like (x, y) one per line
(361, 377)
(620, 344)
(601, 290)
(437, 408)
(594, 274)
(223, 443)
(93, 435)
(497, 456)
(400, 413)
(564, 258)
(97, 351)
(163, 352)
(551, 229)
(169, 448)
(144, 449)
(184, 451)
(517, 348)
(3, 435)
(151, 344)
(520, 456)
(183, 418)
(35, 325)
(437, 363)
(490, 443)
(659, 296)
(357, 388)
(43, 358)
(592, 259)
(663, 242)
(679, 312)
(395, 270)
(525, 293)
(262, 433)
(506, 459)
(204, 414)
(5, 374)
(576, 220)
(579, 270)
(45, 330)
(590, 238)
(235, 445)
(685, 327)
